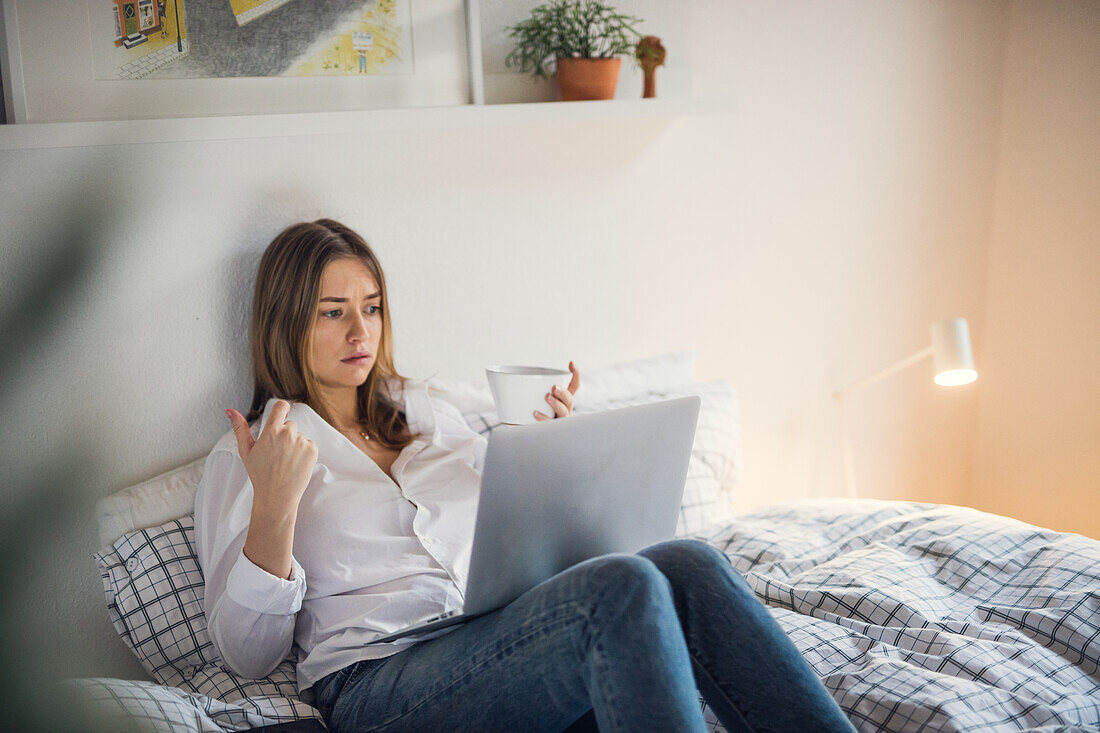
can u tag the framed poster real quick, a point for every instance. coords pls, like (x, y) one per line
(134, 59)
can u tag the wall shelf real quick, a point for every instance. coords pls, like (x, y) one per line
(130, 132)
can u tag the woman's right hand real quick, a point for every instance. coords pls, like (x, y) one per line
(279, 462)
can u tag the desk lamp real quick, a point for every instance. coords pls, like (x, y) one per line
(954, 363)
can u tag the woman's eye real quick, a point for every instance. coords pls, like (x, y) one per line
(331, 314)
(373, 309)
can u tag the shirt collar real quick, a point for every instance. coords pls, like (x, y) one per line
(413, 395)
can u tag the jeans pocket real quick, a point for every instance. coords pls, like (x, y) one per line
(355, 671)
(348, 682)
(327, 689)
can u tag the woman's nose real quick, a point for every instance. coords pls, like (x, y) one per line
(358, 330)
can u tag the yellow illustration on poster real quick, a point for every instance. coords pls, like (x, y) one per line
(369, 42)
(134, 38)
(165, 39)
(246, 10)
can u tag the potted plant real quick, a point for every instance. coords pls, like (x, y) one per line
(583, 39)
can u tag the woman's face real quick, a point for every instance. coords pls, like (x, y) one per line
(347, 325)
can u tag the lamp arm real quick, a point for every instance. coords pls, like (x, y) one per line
(872, 378)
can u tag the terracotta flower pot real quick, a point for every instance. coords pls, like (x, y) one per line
(588, 78)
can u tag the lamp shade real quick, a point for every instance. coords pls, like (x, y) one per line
(951, 352)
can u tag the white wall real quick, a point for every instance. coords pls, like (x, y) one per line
(798, 241)
(1038, 453)
(854, 189)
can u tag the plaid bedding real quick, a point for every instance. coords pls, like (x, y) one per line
(923, 617)
(137, 705)
(917, 617)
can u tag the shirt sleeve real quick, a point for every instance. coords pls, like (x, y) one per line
(250, 613)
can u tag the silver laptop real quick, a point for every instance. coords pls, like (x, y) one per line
(559, 492)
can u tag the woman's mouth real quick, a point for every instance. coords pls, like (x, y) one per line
(357, 359)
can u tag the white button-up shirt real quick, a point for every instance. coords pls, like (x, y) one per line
(371, 554)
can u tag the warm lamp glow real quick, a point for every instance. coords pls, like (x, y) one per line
(954, 360)
(955, 377)
(951, 352)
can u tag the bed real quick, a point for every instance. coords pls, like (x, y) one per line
(916, 617)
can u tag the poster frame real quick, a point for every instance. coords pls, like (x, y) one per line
(71, 93)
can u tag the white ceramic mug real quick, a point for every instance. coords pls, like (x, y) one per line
(520, 391)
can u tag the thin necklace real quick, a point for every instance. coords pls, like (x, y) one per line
(362, 433)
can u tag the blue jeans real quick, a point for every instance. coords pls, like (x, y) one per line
(624, 639)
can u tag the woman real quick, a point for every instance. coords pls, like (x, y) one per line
(346, 512)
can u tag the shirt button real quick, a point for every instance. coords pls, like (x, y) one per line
(131, 564)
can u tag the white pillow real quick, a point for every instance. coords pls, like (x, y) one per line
(597, 384)
(170, 495)
(638, 375)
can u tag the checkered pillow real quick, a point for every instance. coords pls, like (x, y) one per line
(154, 590)
(715, 466)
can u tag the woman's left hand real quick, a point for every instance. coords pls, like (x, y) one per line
(562, 399)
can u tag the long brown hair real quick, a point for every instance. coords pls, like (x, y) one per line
(288, 286)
